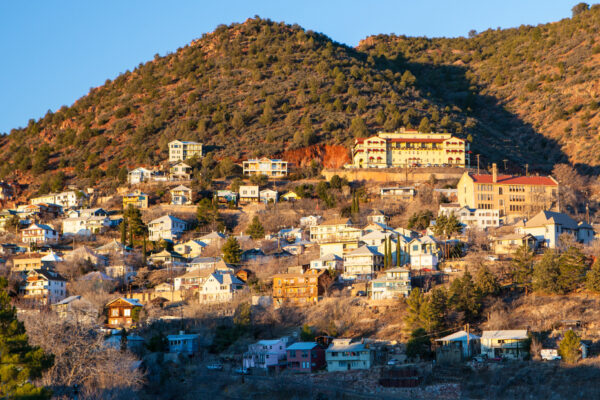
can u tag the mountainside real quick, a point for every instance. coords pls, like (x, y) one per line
(529, 95)
(547, 77)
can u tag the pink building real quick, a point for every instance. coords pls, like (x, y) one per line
(265, 354)
(305, 357)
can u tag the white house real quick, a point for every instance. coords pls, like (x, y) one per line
(424, 252)
(468, 343)
(44, 286)
(85, 226)
(219, 288)
(547, 226)
(362, 263)
(166, 227)
(268, 196)
(139, 175)
(472, 217)
(38, 233)
(328, 262)
(181, 195)
(343, 355)
(181, 150)
(310, 220)
(395, 284)
(249, 194)
(265, 354)
(508, 344)
(66, 199)
(377, 216)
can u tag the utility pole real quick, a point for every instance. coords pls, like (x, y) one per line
(468, 334)
(477, 155)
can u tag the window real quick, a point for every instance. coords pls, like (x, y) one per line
(127, 312)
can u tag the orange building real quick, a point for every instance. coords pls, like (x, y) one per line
(299, 288)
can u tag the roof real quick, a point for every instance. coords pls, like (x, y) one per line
(337, 221)
(458, 336)
(165, 218)
(509, 334)
(39, 226)
(364, 250)
(544, 218)
(68, 300)
(51, 276)
(184, 336)
(340, 345)
(202, 260)
(268, 342)
(181, 187)
(227, 279)
(513, 236)
(397, 269)
(303, 346)
(330, 257)
(133, 302)
(213, 235)
(95, 276)
(514, 180)
(52, 257)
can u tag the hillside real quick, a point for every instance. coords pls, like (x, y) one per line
(529, 95)
(251, 89)
(526, 83)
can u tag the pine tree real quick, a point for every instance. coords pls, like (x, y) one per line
(592, 278)
(414, 304)
(124, 231)
(398, 251)
(255, 229)
(521, 266)
(486, 282)
(144, 251)
(546, 273)
(20, 363)
(464, 297)
(569, 347)
(231, 250)
(572, 269)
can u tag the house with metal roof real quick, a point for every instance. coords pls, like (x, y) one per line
(505, 343)
(343, 355)
(305, 357)
(547, 226)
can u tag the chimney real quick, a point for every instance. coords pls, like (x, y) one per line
(494, 173)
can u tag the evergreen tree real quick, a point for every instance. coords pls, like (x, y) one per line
(521, 266)
(414, 303)
(419, 344)
(546, 273)
(20, 363)
(486, 282)
(569, 346)
(592, 278)
(398, 252)
(14, 222)
(255, 229)
(231, 250)
(124, 231)
(433, 310)
(464, 297)
(307, 334)
(572, 269)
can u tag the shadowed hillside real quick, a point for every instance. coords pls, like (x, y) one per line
(264, 88)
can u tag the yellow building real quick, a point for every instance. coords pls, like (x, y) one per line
(180, 150)
(513, 196)
(298, 289)
(335, 230)
(266, 166)
(410, 148)
(136, 199)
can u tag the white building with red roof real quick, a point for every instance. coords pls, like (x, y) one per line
(410, 148)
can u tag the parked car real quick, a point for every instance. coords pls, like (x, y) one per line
(242, 371)
(215, 367)
(480, 358)
(550, 355)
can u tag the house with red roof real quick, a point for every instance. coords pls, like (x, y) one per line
(513, 196)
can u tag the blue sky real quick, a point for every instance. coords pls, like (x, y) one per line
(54, 51)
